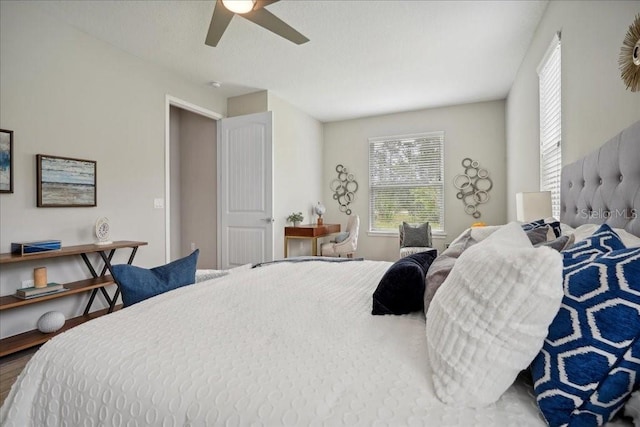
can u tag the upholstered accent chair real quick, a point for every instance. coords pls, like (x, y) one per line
(346, 247)
(414, 238)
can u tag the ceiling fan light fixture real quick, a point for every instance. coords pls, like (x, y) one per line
(239, 6)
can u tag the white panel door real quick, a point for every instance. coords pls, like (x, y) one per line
(246, 190)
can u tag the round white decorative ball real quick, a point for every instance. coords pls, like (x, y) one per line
(51, 321)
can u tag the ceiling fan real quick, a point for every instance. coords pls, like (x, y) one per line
(254, 11)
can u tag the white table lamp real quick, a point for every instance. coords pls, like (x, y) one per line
(532, 206)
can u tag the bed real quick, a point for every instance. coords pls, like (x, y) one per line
(285, 343)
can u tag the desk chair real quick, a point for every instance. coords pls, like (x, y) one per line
(348, 245)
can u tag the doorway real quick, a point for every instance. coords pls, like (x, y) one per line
(191, 182)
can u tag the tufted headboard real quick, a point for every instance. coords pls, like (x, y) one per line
(604, 186)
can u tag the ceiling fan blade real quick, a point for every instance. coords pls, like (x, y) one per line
(219, 23)
(271, 22)
(262, 3)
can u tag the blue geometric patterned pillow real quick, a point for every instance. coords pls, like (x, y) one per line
(614, 390)
(555, 226)
(590, 361)
(533, 224)
(603, 240)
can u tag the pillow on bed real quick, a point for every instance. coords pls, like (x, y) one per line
(401, 289)
(538, 235)
(442, 265)
(604, 239)
(489, 318)
(553, 225)
(586, 230)
(137, 284)
(588, 365)
(561, 243)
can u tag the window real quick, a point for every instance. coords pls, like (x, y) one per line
(406, 181)
(550, 124)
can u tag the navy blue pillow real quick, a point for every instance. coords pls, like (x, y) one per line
(137, 284)
(401, 289)
(590, 361)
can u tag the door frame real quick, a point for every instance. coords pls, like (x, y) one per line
(185, 105)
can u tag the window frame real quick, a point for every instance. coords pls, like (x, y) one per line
(439, 136)
(550, 121)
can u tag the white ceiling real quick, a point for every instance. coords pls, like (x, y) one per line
(364, 58)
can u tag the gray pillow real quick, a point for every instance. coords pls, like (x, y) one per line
(538, 235)
(442, 265)
(415, 235)
(342, 236)
(561, 243)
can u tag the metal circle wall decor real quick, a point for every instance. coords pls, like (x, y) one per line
(473, 186)
(344, 189)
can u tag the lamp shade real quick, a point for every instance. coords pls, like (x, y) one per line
(532, 206)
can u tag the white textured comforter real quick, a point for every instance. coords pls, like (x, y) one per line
(284, 344)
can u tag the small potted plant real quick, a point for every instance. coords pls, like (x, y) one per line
(296, 218)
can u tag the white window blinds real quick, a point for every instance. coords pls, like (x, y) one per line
(549, 73)
(406, 181)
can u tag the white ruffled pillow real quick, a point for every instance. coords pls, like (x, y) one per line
(489, 318)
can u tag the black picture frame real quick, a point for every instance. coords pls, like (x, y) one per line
(66, 182)
(6, 161)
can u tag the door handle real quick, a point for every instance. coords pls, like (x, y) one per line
(268, 219)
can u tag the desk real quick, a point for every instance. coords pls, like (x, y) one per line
(309, 231)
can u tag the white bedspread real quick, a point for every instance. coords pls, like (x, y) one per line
(285, 344)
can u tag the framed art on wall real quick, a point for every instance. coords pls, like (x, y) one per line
(65, 182)
(6, 161)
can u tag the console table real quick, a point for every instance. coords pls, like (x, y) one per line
(96, 282)
(309, 231)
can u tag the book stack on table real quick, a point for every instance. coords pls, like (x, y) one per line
(31, 248)
(51, 288)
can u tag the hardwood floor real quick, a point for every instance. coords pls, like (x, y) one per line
(10, 368)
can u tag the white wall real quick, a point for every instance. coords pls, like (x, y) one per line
(65, 93)
(595, 102)
(471, 130)
(298, 170)
(256, 102)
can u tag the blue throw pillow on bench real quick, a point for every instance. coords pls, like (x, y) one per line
(137, 284)
(401, 289)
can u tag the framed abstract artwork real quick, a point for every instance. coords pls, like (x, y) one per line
(6, 161)
(65, 182)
